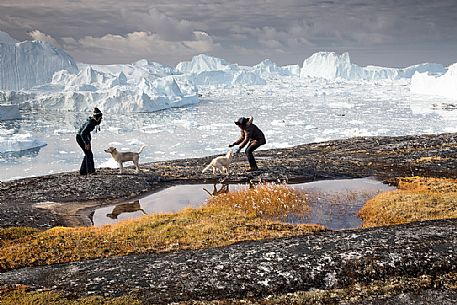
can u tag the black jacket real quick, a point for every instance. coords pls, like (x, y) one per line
(251, 133)
(86, 129)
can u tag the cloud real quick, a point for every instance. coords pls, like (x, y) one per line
(287, 31)
(137, 45)
(37, 35)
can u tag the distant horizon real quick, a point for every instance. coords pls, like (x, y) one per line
(382, 33)
(300, 64)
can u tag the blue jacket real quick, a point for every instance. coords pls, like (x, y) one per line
(86, 129)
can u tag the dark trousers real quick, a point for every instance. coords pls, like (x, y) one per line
(251, 147)
(87, 166)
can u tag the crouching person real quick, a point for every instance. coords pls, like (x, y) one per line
(251, 134)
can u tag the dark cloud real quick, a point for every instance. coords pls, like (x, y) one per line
(388, 32)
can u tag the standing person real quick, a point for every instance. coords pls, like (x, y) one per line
(252, 134)
(84, 138)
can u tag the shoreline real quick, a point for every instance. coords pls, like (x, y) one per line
(381, 157)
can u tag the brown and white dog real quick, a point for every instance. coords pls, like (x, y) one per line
(121, 157)
(220, 163)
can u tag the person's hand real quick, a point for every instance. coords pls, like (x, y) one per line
(87, 146)
(237, 151)
(231, 145)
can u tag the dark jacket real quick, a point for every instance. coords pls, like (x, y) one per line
(251, 133)
(86, 129)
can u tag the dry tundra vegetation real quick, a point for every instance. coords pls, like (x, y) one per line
(224, 220)
(415, 199)
(250, 214)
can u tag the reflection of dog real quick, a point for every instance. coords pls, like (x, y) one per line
(223, 190)
(121, 157)
(220, 163)
(125, 208)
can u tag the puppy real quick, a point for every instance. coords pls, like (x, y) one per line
(121, 157)
(220, 163)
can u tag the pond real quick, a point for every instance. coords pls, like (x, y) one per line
(333, 203)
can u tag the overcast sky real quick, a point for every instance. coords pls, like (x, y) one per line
(392, 33)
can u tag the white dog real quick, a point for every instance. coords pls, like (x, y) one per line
(121, 157)
(220, 163)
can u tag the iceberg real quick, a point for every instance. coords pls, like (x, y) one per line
(331, 66)
(9, 112)
(19, 142)
(34, 74)
(113, 93)
(226, 78)
(30, 63)
(138, 70)
(203, 63)
(204, 70)
(430, 68)
(268, 67)
(442, 85)
(6, 38)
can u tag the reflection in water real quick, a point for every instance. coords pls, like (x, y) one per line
(223, 190)
(333, 203)
(170, 200)
(125, 208)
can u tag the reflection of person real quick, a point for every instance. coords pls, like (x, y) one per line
(252, 134)
(83, 138)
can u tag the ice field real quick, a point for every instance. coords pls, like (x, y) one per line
(289, 113)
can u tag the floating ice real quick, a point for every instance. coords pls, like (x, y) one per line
(19, 142)
(113, 93)
(444, 85)
(202, 63)
(332, 66)
(205, 70)
(268, 67)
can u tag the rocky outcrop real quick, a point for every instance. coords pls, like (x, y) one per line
(254, 270)
(422, 252)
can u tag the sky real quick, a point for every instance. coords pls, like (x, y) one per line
(389, 33)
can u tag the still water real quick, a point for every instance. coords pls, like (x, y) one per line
(334, 203)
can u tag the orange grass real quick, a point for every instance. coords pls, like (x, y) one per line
(210, 226)
(21, 296)
(273, 201)
(416, 199)
(12, 233)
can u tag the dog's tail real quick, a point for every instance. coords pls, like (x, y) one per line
(206, 168)
(141, 149)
